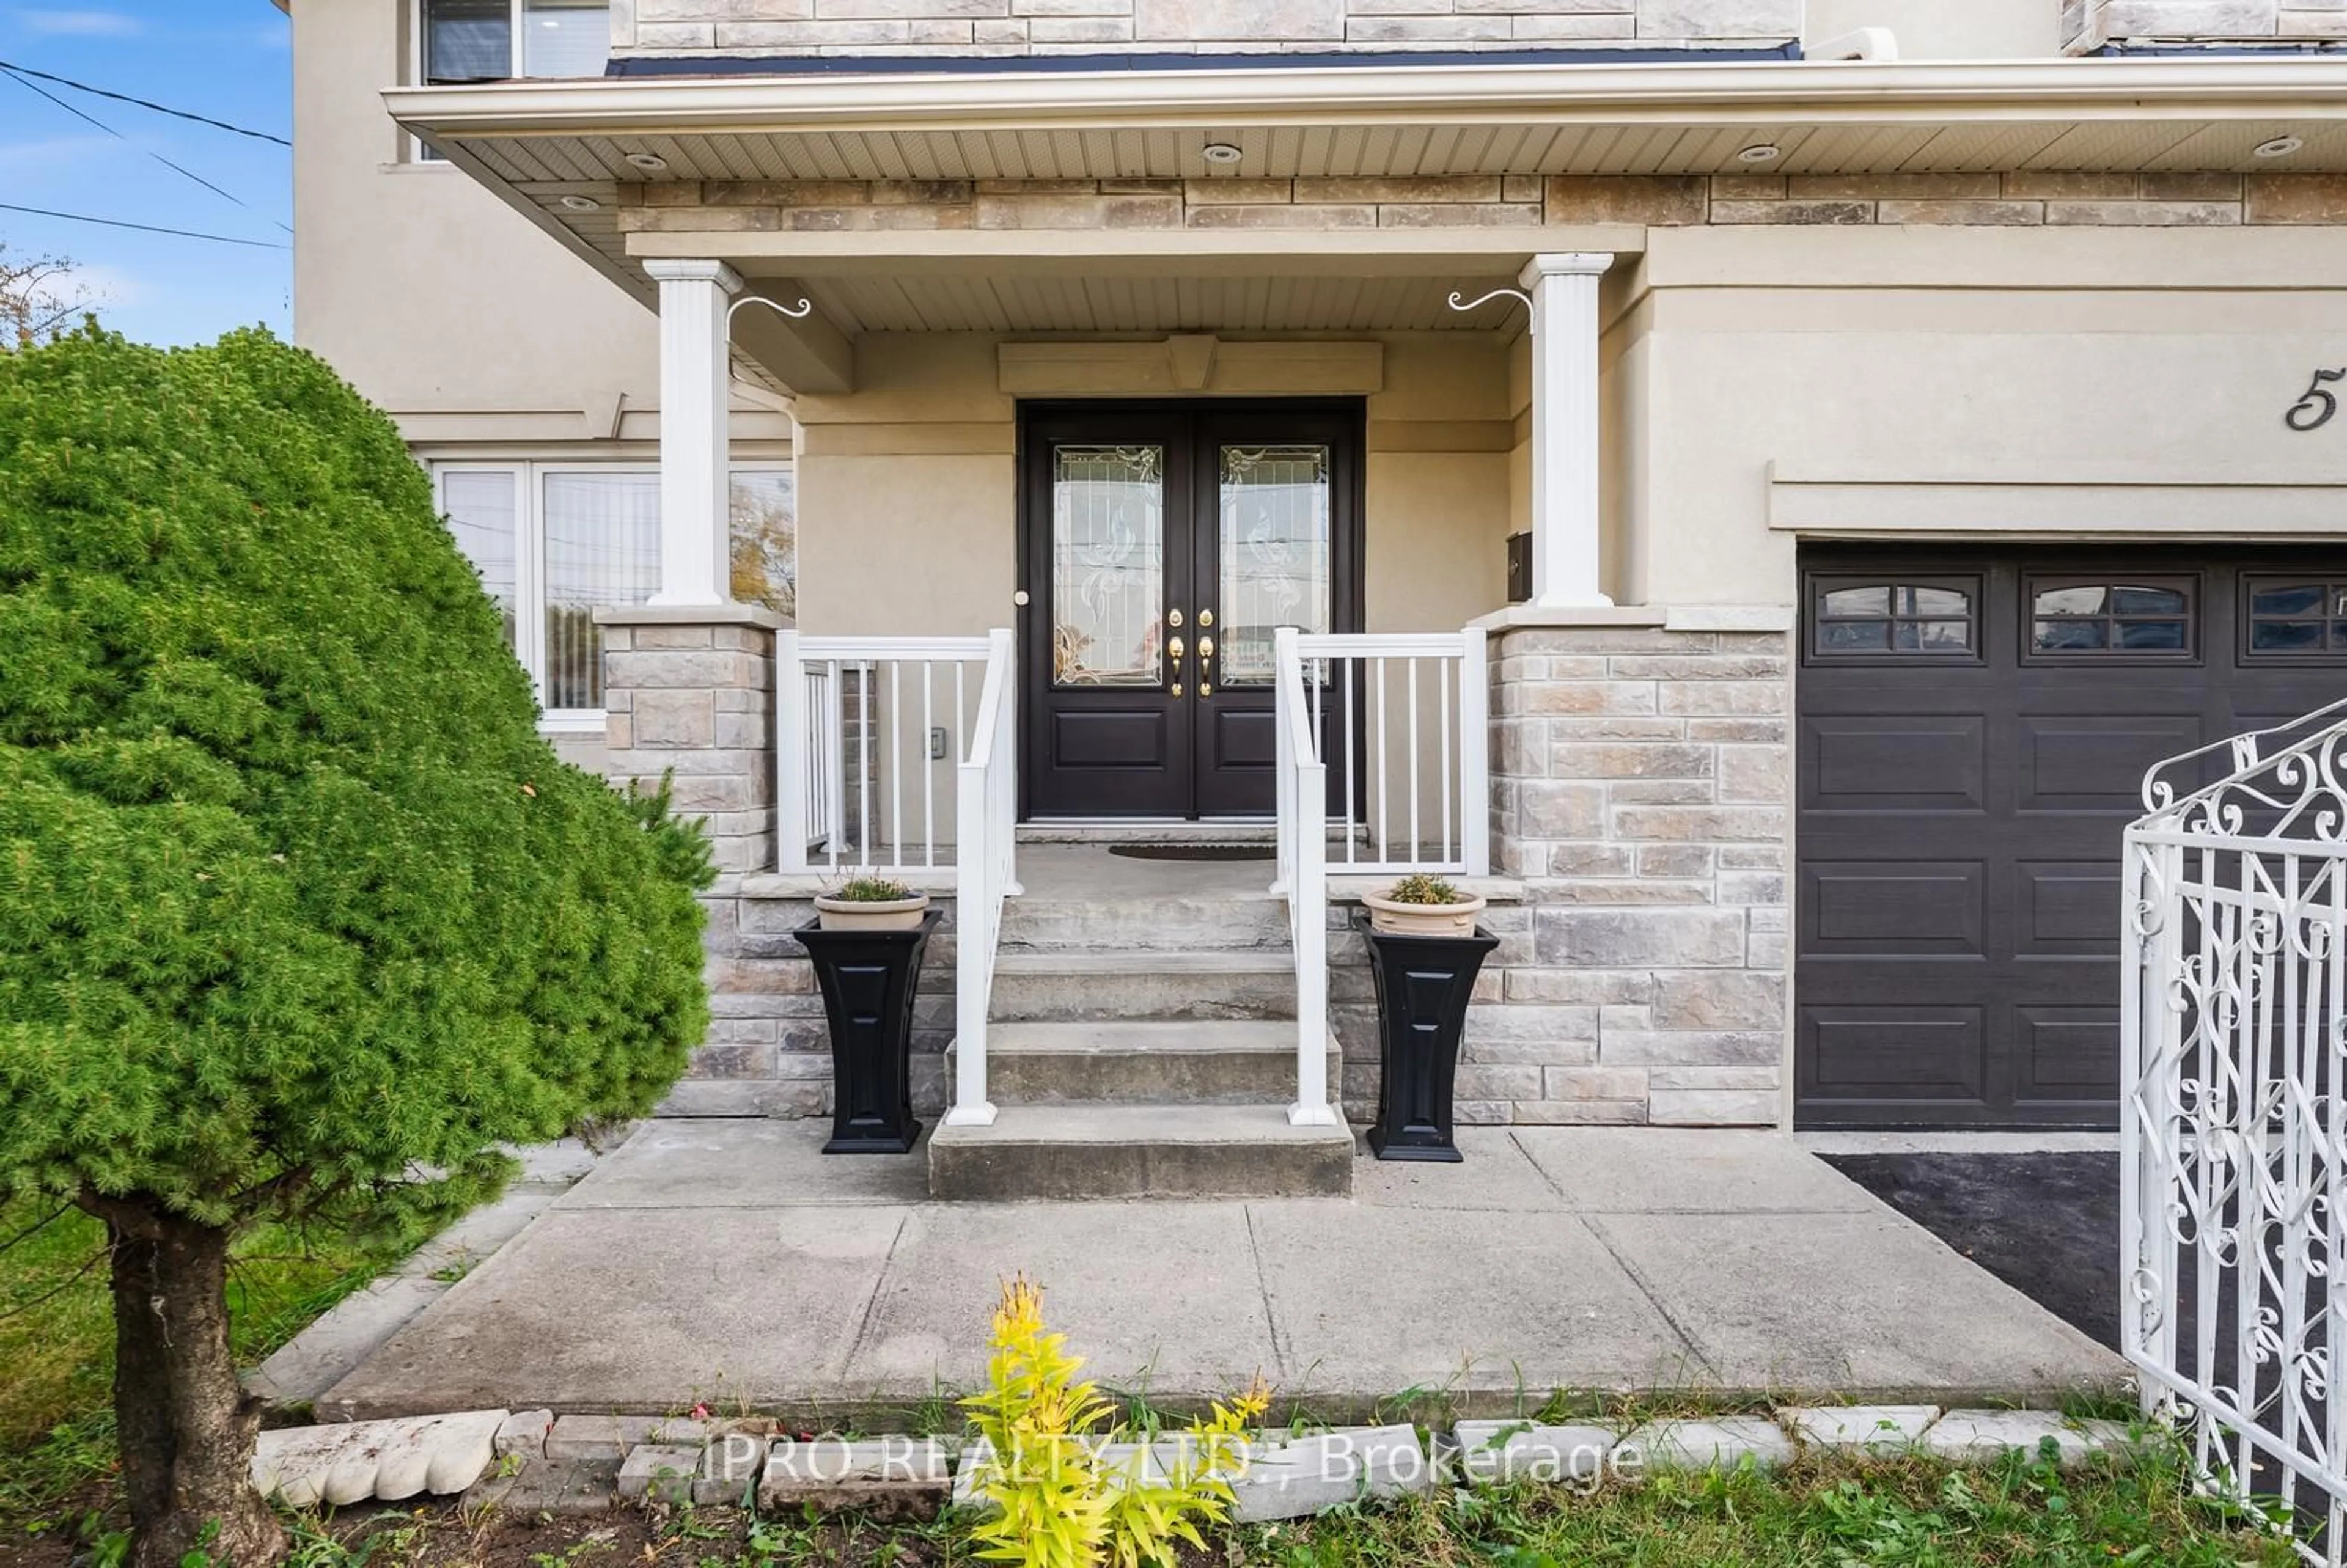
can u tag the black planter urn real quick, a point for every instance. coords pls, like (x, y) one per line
(1423, 984)
(867, 980)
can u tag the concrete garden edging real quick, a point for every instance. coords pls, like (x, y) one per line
(588, 1463)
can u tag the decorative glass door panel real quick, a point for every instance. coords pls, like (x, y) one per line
(1275, 547)
(1108, 565)
(1164, 546)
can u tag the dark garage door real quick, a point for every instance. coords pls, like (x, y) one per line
(1972, 732)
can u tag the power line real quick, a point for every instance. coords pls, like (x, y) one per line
(143, 103)
(146, 228)
(92, 120)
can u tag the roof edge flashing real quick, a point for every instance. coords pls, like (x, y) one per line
(784, 66)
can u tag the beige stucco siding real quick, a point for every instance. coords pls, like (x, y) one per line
(421, 287)
(908, 505)
(2084, 409)
(1944, 29)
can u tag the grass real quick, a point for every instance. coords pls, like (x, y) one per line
(57, 1340)
(1820, 1514)
(1901, 1514)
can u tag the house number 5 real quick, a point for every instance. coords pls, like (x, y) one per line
(2313, 410)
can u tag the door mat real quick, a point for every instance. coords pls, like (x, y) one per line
(1195, 851)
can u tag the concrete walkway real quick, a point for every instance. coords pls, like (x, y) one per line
(729, 1261)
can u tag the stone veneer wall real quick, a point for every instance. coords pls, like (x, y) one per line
(1487, 200)
(769, 1051)
(2091, 24)
(1640, 785)
(967, 27)
(691, 694)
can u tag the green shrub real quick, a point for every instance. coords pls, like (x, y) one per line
(1056, 1501)
(294, 901)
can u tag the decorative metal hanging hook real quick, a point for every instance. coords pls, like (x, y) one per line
(1517, 294)
(805, 307)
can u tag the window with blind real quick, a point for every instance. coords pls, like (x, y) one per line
(463, 41)
(481, 40)
(556, 542)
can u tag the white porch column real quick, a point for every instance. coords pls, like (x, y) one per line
(1563, 287)
(694, 376)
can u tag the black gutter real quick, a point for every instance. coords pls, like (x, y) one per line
(1010, 64)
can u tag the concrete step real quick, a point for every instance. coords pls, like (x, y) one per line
(1215, 923)
(1077, 987)
(1141, 1151)
(1238, 1062)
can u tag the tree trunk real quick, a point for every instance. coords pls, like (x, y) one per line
(185, 1423)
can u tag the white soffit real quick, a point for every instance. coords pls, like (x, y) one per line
(534, 142)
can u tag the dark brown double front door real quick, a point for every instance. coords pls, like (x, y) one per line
(1162, 545)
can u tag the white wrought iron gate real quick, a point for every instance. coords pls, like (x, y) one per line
(2233, 1140)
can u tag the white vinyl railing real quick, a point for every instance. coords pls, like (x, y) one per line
(1406, 712)
(869, 733)
(2233, 1159)
(1303, 794)
(864, 725)
(1400, 719)
(987, 872)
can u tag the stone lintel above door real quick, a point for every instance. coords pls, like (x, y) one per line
(1191, 364)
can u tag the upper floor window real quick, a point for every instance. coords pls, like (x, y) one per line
(491, 40)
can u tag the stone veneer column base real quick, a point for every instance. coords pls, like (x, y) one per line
(689, 693)
(1640, 771)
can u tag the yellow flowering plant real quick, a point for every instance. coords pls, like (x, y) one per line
(1058, 1501)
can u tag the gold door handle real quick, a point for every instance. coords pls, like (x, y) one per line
(1206, 617)
(1205, 648)
(1206, 657)
(1173, 649)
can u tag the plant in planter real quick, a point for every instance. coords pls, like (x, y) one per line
(1423, 906)
(1424, 955)
(867, 942)
(871, 904)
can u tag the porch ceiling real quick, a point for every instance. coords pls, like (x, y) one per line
(1029, 304)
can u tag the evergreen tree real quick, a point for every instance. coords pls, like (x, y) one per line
(300, 918)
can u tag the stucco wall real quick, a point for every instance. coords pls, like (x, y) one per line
(420, 288)
(651, 27)
(2031, 384)
(1944, 29)
(908, 505)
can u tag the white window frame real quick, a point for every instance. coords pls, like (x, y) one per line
(530, 476)
(416, 62)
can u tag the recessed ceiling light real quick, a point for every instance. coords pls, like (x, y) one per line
(580, 203)
(1764, 153)
(2280, 147)
(649, 162)
(1222, 152)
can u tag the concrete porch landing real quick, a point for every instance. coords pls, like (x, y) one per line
(728, 1261)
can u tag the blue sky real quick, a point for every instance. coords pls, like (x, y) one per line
(230, 59)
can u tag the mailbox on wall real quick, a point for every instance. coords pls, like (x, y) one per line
(1520, 568)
